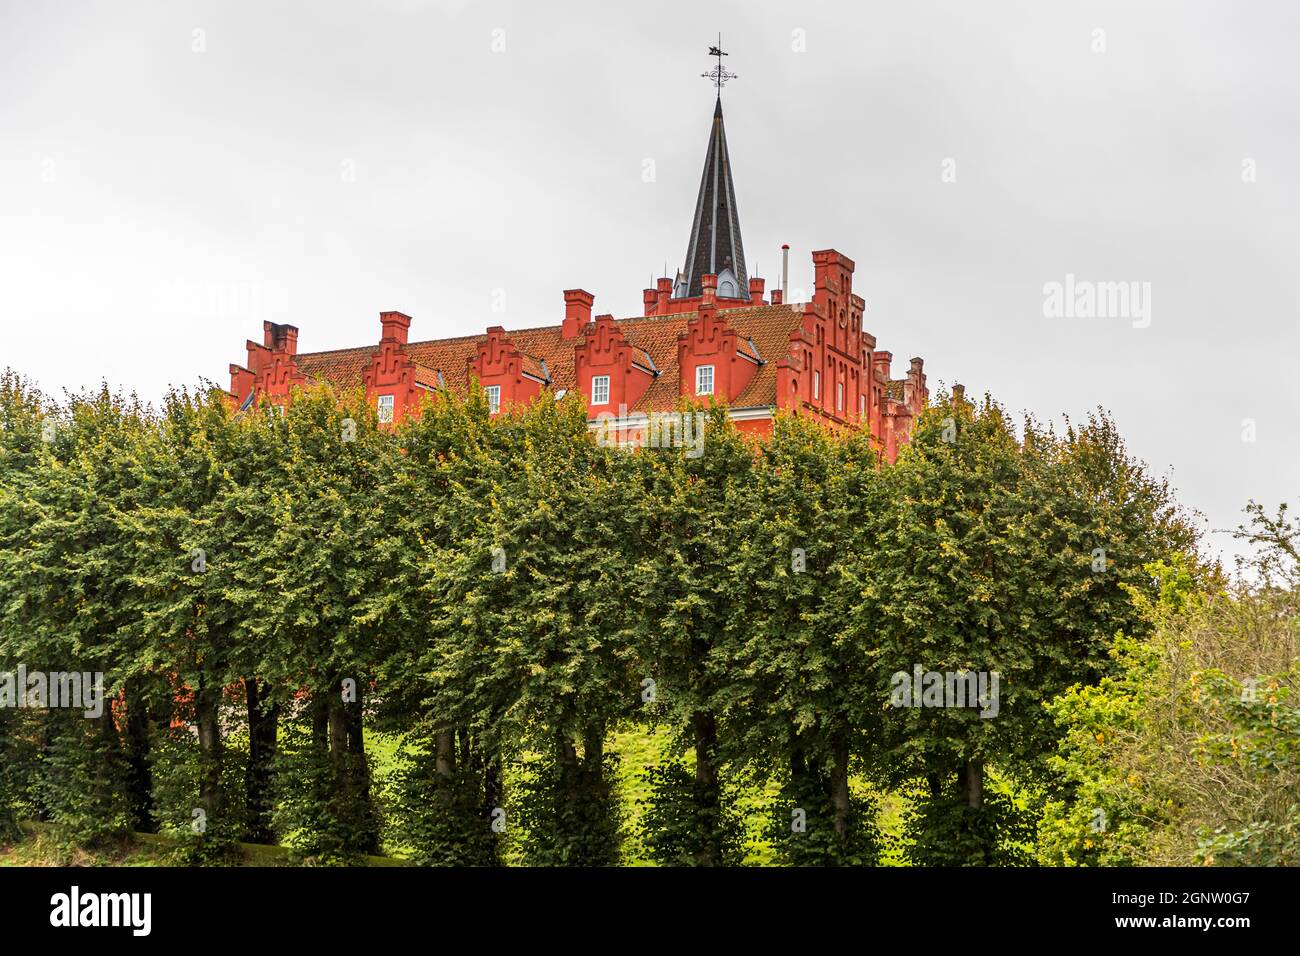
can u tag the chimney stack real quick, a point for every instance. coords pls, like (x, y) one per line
(280, 338)
(664, 291)
(396, 327)
(880, 363)
(577, 312)
(650, 299)
(709, 285)
(777, 297)
(756, 291)
(785, 271)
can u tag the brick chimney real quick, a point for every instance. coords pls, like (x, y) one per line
(396, 326)
(880, 362)
(577, 312)
(650, 298)
(756, 291)
(958, 393)
(280, 338)
(777, 295)
(709, 286)
(664, 292)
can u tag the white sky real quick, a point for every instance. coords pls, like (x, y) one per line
(157, 203)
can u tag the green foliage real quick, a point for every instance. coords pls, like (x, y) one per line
(944, 829)
(81, 786)
(317, 816)
(567, 812)
(1188, 753)
(443, 818)
(506, 592)
(682, 814)
(808, 829)
(177, 767)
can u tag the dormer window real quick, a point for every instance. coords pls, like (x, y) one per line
(494, 398)
(600, 390)
(385, 409)
(704, 380)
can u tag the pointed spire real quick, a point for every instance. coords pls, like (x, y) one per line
(715, 247)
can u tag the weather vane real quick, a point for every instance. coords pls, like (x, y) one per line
(718, 75)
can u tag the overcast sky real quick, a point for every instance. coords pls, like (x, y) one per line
(174, 173)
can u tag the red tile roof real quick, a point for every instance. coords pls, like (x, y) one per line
(655, 338)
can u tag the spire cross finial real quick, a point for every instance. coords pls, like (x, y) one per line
(718, 75)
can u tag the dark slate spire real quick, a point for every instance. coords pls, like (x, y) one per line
(715, 246)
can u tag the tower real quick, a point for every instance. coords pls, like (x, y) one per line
(715, 247)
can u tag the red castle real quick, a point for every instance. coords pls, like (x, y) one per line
(709, 332)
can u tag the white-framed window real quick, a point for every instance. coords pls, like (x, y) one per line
(817, 384)
(385, 409)
(839, 396)
(494, 398)
(704, 380)
(600, 390)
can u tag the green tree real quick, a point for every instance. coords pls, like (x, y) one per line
(690, 587)
(800, 698)
(64, 564)
(322, 643)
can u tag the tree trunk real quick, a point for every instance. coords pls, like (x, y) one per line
(139, 775)
(492, 793)
(970, 780)
(840, 786)
(207, 701)
(445, 744)
(708, 794)
(263, 735)
(593, 753)
(320, 723)
(348, 756)
(566, 760)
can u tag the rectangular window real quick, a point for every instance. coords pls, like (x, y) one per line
(839, 396)
(862, 406)
(600, 390)
(385, 409)
(704, 380)
(817, 384)
(494, 398)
